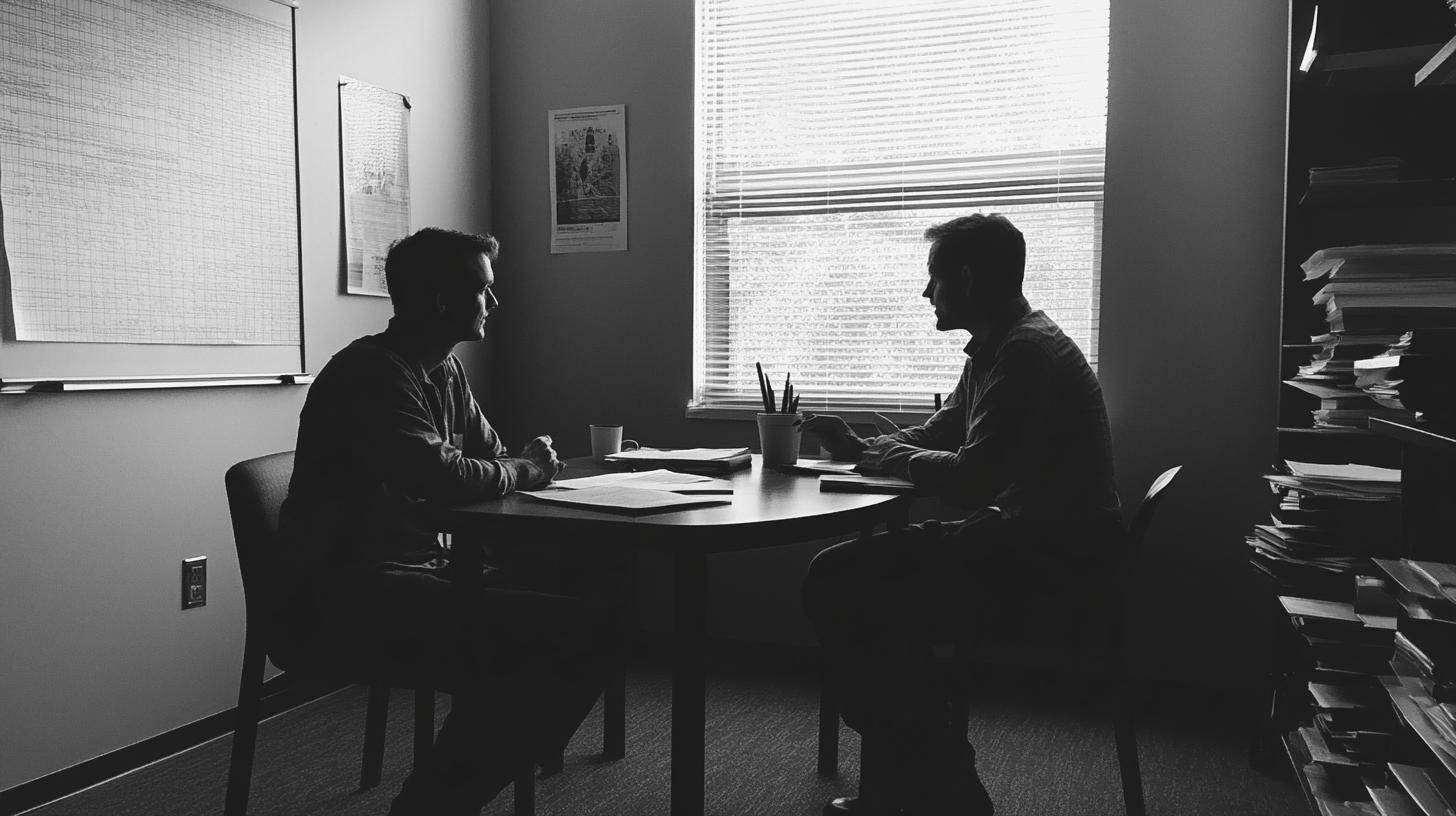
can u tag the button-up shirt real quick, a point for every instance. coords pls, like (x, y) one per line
(378, 434)
(1025, 430)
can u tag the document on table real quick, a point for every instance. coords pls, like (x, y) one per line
(680, 454)
(671, 481)
(855, 483)
(619, 499)
(820, 466)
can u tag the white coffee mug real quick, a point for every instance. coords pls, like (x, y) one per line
(607, 440)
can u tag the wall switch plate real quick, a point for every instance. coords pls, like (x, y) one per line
(194, 582)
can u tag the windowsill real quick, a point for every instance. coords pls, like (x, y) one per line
(856, 416)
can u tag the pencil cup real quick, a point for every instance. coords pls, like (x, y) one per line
(778, 437)
(607, 440)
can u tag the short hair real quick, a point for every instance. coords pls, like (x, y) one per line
(989, 244)
(428, 263)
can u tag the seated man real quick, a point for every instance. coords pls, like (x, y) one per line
(389, 423)
(1023, 444)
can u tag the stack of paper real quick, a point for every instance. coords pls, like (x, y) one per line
(1329, 521)
(1374, 294)
(713, 460)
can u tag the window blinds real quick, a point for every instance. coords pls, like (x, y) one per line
(831, 133)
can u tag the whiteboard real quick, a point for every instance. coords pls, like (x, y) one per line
(148, 189)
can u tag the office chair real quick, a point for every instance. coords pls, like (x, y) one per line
(954, 659)
(255, 490)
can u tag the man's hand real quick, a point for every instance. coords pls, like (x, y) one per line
(875, 459)
(540, 453)
(835, 434)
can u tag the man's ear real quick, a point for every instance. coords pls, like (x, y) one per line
(968, 281)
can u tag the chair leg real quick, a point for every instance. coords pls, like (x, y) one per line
(424, 724)
(525, 791)
(828, 728)
(1127, 754)
(376, 717)
(614, 715)
(245, 731)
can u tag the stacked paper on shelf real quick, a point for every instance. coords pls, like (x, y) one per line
(1376, 170)
(1330, 520)
(1416, 373)
(1386, 287)
(1330, 377)
(1381, 261)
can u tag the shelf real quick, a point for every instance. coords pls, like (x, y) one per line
(1296, 766)
(1380, 67)
(1440, 69)
(1403, 193)
(1435, 436)
(1351, 432)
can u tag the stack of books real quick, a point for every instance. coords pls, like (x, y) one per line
(1329, 522)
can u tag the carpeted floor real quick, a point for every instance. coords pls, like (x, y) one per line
(1040, 755)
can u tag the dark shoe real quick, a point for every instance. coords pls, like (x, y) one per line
(852, 806)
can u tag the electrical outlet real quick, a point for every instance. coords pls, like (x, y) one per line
(194, 582)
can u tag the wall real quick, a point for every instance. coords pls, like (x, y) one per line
(104, 494)
(1192, 253)
(1190, 307)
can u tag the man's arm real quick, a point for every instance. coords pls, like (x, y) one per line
(1013, 398)
(398, 434)
(945, 430)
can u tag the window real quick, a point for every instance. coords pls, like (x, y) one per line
(831, 133)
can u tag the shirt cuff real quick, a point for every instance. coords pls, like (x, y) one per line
(930, 468)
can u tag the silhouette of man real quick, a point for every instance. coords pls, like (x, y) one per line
(1023, 444)
(390, 423)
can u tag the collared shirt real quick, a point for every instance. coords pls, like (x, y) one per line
(1025, 430)
(377, 435)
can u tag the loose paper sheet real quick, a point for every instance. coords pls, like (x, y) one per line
(588, 169)
(375, 157)
(143, 200)
(660, 479)
(625, 499)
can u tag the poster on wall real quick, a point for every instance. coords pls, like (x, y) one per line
(588, 179)
(374, 131)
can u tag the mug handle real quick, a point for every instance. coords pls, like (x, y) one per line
(632, 442)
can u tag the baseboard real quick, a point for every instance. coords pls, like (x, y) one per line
(279, 695)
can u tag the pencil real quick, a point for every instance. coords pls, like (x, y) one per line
(763, 389)
(788, 393)
(937, 402)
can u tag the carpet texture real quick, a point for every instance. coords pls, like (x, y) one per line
(1040, 754)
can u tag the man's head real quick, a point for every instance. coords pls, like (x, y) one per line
(976, 265)
(443, 278)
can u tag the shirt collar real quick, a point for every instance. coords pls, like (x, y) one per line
(405, 341)
(1007, 316)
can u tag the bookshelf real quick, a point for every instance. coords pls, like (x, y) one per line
(1371, 160)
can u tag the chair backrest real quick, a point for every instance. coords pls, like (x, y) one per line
(255, 490)
(1138, 530)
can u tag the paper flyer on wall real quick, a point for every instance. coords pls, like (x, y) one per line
(588, 148)
(374, 125)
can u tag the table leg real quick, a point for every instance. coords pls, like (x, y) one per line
(689, 688)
